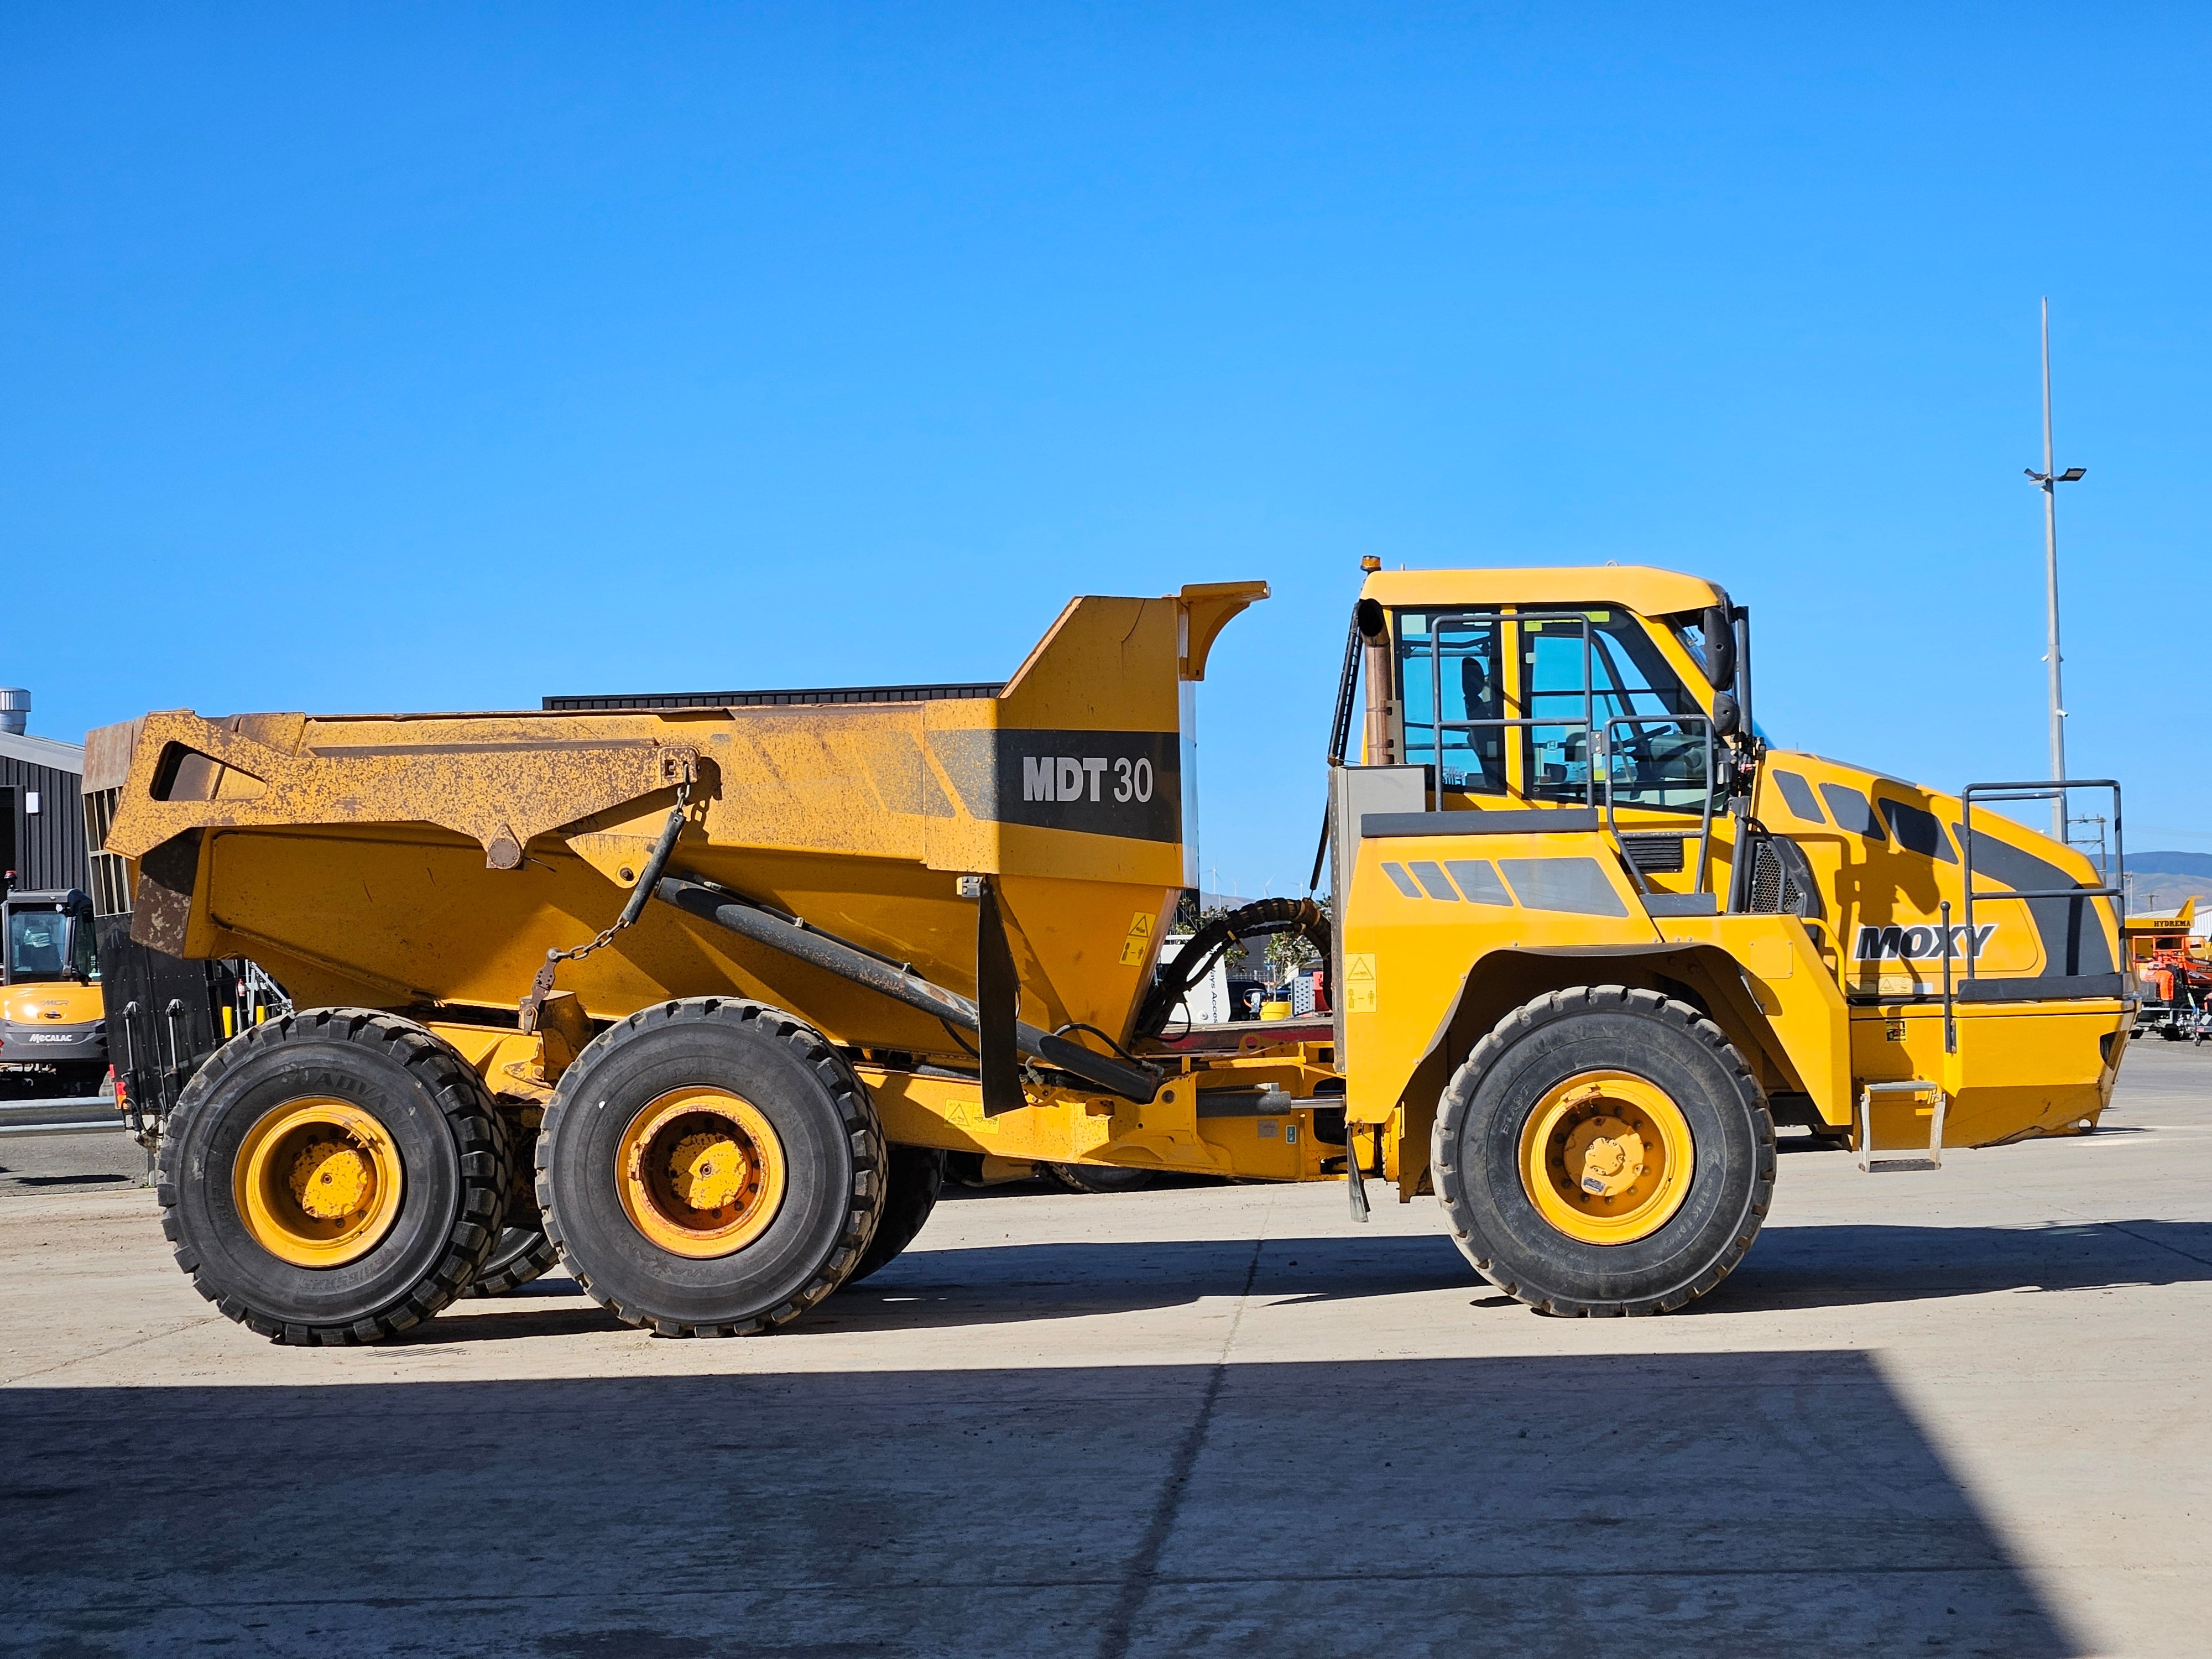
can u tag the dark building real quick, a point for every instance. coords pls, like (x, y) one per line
(41, 804)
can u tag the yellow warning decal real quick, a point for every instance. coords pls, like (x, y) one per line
(968, 1114)
(1138, 943)
(1359, 984)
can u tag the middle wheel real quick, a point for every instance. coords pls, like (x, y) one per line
(710, 1167)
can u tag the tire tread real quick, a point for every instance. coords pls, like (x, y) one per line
(857, 1114)
(1534, 1015)
(477, 1130)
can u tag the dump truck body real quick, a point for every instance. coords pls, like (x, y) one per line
(1560, 837)
(448, 853)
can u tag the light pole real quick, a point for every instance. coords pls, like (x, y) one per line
(2048, 481)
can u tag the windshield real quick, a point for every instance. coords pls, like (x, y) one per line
(40, 946)
(1688, 628)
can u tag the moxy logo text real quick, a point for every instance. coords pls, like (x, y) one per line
(1094, 777)
(1920, 943)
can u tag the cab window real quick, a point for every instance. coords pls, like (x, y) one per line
(1449, 687)
(36, 940)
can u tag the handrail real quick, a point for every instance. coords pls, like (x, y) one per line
(1439, 725)
(1950, 1007)
(1705, 820)
(2047, 789)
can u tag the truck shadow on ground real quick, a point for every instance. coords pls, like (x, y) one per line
(1789, 1267)
(1764, 1501)
(1860, 1264)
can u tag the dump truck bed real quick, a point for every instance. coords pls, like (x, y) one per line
(418, 861)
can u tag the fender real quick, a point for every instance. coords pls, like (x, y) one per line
(1706, 976)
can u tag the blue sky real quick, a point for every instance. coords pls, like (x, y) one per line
(360, 358)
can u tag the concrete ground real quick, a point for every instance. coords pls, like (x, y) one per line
(1957, 1413)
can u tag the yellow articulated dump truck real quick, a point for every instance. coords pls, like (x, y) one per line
(696, 992)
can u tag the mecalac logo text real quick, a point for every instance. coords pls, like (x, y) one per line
(1920, 943)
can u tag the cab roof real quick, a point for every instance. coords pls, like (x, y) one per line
(47, 898)
(1638, 587)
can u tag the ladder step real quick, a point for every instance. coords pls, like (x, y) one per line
(1885, 1162)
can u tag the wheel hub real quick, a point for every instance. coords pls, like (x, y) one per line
(712, 1173)
(702, 1172)
(331, 1179)
(317, 1182)
(1607, 1158)
(1607, 1152)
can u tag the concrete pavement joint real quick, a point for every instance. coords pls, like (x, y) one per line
(1144, 1570)
(102, 1353)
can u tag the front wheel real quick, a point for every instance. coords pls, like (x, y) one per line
(1604, 1150)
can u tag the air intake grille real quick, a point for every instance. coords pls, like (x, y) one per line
(1778, 884)
(1654, 855)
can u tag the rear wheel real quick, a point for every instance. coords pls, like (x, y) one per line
(915, 1175)
(522, 1255)
(711, 1168)
(1099, 1177)
(523, 1252)
(333, 1177)
(1604, 1150)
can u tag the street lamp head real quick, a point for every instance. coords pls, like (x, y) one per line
(2071, 474)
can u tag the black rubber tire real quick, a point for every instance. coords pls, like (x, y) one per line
(833, 1147)
(1099, 1177)
(523, 1252)
(454, 1162)
(1475, 1153)
(521, 1255)
(914, 1175)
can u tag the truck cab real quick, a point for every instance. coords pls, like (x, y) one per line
(1560, 785)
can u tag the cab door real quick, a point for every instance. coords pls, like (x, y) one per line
(1453, 703)
(1610, 723)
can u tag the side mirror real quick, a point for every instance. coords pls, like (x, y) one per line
(1720, 650)
(1726, 715)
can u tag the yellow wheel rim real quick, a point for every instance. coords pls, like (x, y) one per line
(317, 1182)
(702, 1172)
(1607, 1158)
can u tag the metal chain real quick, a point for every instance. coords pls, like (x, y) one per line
(542, 986)
(682, 800)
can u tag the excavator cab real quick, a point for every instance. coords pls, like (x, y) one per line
(50, 939)
(53, 1032)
